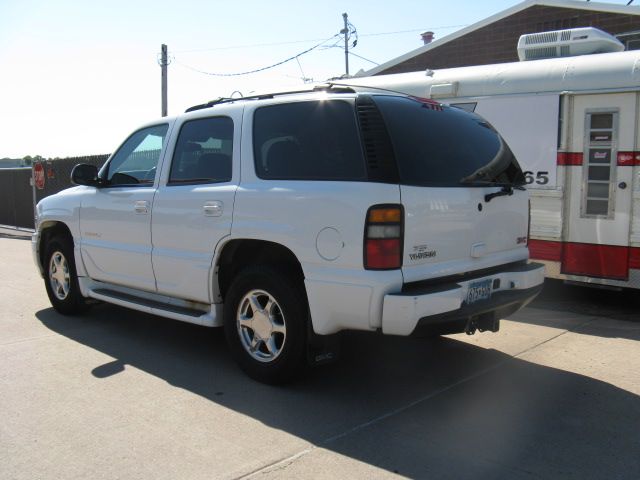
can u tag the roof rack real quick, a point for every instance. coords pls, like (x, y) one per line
(333, 88)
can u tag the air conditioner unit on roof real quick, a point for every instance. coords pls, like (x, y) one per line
(566, 43)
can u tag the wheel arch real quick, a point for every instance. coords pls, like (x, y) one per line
(48, 230)
(237, 254)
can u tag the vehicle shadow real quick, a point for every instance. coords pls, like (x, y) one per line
(619, 305)
(421, 408)
(618, 312)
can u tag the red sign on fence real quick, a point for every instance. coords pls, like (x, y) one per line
(38, 176)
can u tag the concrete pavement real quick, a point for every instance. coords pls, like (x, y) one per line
(119, 394)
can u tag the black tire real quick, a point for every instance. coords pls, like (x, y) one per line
(60, 277)
(282, 357)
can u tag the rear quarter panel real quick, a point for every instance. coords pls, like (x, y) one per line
(322, 223)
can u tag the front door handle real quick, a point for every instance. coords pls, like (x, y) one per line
(213, 209)
(141, 207)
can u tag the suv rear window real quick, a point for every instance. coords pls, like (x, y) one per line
(316, 140)
(436, 145)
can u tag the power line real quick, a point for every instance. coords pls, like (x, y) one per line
(411, 31)
(354, 54)
(254, 45)
(293, 42)
(294, 57)
(359, 56)
(348, 31)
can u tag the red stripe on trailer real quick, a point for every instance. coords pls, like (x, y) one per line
(545, 250)
(601, 261)
(625, 159)
(552, 251)
(569, 158)
(628, 159)
(634, 257)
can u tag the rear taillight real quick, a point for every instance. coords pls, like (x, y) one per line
(383, 234)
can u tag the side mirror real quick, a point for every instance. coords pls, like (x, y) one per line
(84, 174)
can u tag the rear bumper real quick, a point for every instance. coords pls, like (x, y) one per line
(443, 309)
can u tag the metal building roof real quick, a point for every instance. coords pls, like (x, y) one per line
(578, 5)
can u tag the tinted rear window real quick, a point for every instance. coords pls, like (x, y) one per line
(315, 140)
(437, 145)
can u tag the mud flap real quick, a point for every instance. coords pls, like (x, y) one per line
(322, 349)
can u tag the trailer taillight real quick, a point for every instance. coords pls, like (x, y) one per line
(383, 235)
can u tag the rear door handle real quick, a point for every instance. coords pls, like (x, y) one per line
(213, 209)
(141, 207)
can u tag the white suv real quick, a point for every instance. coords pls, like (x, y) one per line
(290, 217)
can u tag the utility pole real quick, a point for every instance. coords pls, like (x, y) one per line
(345, 32)
(163, 81)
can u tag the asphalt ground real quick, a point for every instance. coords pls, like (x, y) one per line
(119, 394)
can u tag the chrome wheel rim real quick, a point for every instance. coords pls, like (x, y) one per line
(261, 326)
(59, 277)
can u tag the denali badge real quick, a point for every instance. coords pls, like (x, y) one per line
(420, 252)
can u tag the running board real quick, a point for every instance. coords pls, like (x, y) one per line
(197, 313)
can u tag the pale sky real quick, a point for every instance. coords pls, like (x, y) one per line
(76, 77)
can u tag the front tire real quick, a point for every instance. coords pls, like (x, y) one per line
(265, 322)
(61, 280)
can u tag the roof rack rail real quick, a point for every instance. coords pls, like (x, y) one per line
(318, 88)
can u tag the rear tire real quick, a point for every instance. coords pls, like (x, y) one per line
(61, 279)
(265, 322)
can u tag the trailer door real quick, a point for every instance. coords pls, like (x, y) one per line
(599, 188)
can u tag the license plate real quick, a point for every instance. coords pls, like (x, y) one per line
(480, 290)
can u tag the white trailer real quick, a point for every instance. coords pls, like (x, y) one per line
(574, 125)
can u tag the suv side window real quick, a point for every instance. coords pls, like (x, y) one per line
(203, 152)
(316, 140)
(137, 160)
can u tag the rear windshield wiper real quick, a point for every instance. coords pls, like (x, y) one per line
(506, 190)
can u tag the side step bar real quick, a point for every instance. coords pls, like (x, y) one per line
(190, 312)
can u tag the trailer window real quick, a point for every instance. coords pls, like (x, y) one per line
(467, 107)
(599, 164)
